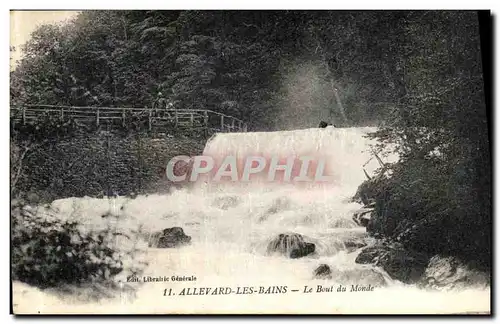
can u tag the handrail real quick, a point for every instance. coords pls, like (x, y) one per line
(226, 122)
(126, 108)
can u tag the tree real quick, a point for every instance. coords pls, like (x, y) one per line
(441, 185)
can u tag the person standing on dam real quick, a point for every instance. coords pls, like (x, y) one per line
(162, 106)
(160, 102)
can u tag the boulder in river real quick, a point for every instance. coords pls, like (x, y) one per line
(362, 217)
(169, 238)
(354, 243)
(291, 245)
(401, 264)
(323, 272)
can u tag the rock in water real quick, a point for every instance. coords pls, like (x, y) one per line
(369, 255)
(362, 217)
(445, 273)
(401, 264)
(169, 238)
(352, 244)
(291, 245)
(323, 272)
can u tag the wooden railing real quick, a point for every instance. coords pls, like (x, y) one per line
(153, 119)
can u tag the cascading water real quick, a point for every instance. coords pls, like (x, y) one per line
(232, 224)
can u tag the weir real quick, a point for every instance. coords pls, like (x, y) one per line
(345, 151)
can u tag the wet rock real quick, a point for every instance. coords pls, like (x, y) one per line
(361, 276)
(401, 264)
(366, 191)
(291, 245)
(444, 273)
(343, 223)
(362, 217)
(323, 272)
(323, 124)
(369, 255)
(352, 244)
(307, 249)
(169, 238)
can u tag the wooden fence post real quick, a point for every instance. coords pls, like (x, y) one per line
(205, 118)
(97, 117)
(149, 120)
(205, 122)
(222, 122)
(24, 115)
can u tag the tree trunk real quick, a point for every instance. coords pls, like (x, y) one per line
(339, 103)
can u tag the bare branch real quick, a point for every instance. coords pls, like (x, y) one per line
(18, 172)
(366, 174)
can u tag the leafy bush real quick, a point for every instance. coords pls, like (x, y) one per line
(47, 128)
(419, 207)
(47, 251)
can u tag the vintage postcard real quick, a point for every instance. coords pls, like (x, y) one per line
(250, 162)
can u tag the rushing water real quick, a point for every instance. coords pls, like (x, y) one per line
(231, 225)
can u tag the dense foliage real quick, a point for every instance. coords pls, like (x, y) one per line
(437, 198)
(47, 251)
